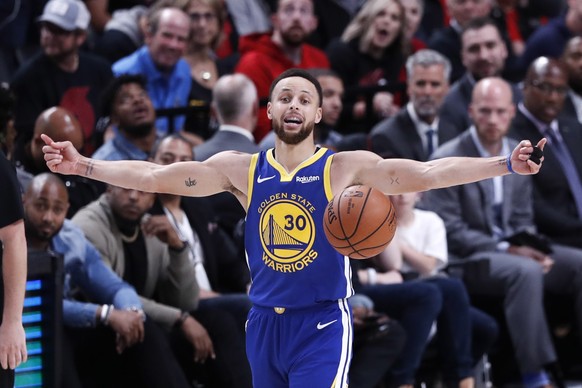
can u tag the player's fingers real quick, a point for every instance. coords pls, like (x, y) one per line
(24, 353)
(46, 138)
(13, 360)
(542, 143)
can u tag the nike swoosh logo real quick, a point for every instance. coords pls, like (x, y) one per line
(324, 325)
(261, 180)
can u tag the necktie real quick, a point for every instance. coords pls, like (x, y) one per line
(563, 155)
(430, 141)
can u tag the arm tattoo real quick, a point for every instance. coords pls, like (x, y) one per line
(394, 181)
(190, 182)
(89, 169)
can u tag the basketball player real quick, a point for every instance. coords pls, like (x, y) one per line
(299, 332)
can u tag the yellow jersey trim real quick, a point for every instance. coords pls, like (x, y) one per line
(288, 176)
(252, 168)
(327, 178)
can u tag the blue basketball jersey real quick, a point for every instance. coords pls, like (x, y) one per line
(291, 262)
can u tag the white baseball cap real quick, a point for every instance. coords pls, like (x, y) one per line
(67, 14)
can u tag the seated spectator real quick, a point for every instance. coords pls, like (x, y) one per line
(332, 18)
(62, 124)
(249, 16)
(222, 274)
(435, 17)
(147, 252)
(123, 32)
(108, 340)
(130, 111)
(416, 130)
(7, 131)
(160, 61)
(378, 340)
(572, 60)
(484, 55)
(264, 56)
(519, 19)
(414, 306)
(413, 10)
(207, 18)
(550, 40)
(61, 74)
(464, 333)
(447, 40)
(18, 34)
(484, 220)
(557, 200)
(235, 104)
(370, 54)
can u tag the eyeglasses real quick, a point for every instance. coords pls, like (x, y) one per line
(547, 88)
(207, 17)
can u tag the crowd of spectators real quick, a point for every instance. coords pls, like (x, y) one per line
(176, 80)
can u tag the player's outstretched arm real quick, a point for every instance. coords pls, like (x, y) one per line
(394, 176)
(185, 178)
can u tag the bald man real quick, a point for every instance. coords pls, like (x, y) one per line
(64, 125)
(480, 219)
(236, 105)
(558, 190)
(108, 326)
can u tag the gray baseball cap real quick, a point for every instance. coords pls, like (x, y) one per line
(67, 14)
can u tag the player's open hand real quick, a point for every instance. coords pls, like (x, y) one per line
(523, 157)
(60, 157)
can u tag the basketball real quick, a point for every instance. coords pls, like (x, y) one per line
(359, 222)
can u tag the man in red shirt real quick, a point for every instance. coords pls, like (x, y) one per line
(264, 56)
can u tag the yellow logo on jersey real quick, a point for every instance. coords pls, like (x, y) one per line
(287, 232)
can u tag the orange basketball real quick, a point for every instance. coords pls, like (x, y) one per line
(360, 222)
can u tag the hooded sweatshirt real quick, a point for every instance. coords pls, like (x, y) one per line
(262, 61)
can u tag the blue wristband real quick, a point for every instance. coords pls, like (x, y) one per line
(508, 162)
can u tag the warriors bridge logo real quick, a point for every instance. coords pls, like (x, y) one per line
(287, 232)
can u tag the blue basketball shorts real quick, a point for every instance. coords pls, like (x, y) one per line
(298, 348)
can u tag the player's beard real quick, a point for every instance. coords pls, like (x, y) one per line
(293, 138)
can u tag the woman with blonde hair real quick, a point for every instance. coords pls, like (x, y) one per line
(370, 57)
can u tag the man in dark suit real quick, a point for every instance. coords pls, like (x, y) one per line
(484, 54)
(447, 41)
(572, 60)
(558, 188)
(235, 104)
(481, 217)
(415, 131)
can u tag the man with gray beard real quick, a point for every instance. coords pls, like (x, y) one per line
(132, 117)
(414, 132)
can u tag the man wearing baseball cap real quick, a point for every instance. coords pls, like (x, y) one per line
(69, 15)
(61, 74)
